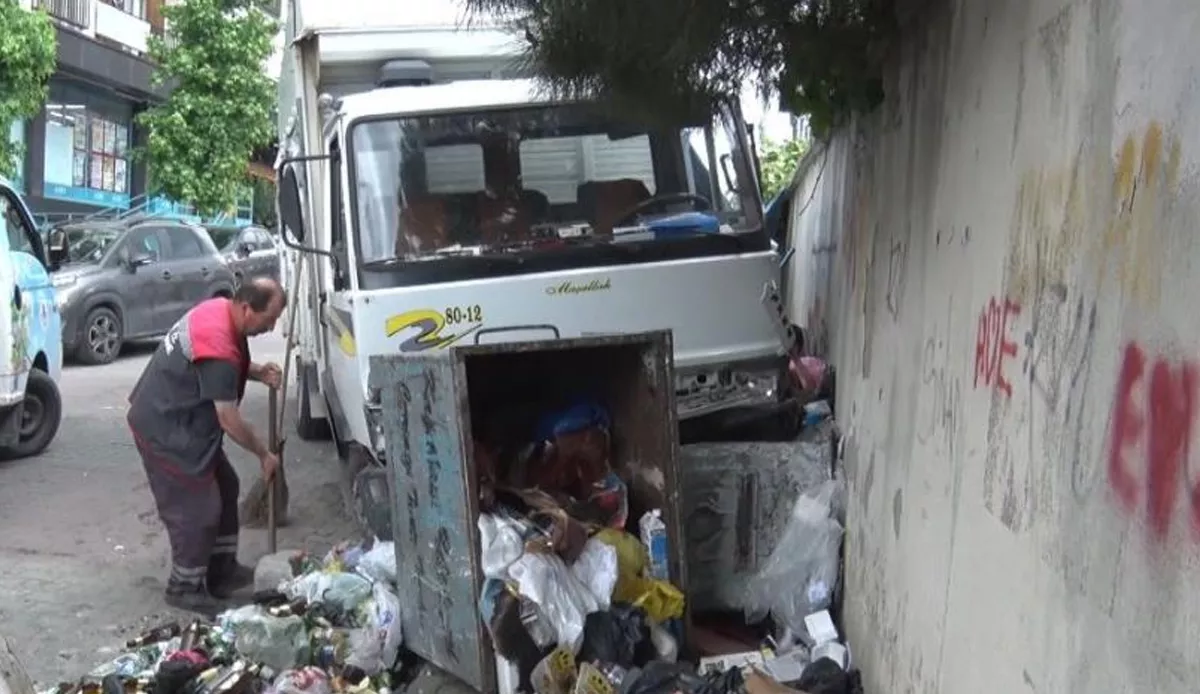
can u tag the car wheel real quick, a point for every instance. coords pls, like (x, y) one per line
(102, 337)
(41, 413)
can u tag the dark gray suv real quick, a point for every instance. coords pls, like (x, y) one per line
(131, 281)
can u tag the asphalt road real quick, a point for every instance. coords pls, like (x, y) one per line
(83, 557)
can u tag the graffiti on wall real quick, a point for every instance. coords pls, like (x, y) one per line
(1042, 352)
(994, 344)
(1153, 415)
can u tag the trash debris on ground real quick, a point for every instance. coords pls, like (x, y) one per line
(577, 597)
(328, 625)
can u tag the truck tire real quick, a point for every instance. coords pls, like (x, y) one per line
(308, 428)
(41, 414)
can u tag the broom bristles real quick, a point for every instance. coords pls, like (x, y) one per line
(253, 511)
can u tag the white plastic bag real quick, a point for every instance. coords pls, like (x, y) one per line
(277, 642)
(501, 542)
(342, 591)
(596, 568)
(379, 562)
(799, 577)
(375, 645)
(563, 599)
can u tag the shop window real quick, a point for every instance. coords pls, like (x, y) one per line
(87, 146)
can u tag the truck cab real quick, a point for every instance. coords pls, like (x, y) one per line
(441, 199)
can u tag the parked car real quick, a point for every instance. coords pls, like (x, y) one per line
(250, 251)
(123, 282)
(30, 335)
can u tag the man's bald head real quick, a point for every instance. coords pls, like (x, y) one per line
(257, 304)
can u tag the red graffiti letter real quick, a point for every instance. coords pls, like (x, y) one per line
(981, 348)
(1127, 425)
(1172, 397)
(1004, 346)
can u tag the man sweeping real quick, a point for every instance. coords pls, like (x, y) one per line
(179, 412)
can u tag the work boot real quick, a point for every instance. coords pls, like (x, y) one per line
(231, 581)
(199, 601)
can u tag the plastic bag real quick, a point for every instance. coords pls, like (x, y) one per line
(343, 592)
(344, 556)
(631, 563)
(306, 680)
(620, 636)
(374, 647)
(596, 568)
(799, 576)
(379, 562)
(501, 542)
(277, 642)
(661, 600)
(559, 594)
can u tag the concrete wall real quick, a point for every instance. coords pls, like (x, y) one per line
(1003, 264)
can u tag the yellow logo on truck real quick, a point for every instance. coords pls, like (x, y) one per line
(430, 325)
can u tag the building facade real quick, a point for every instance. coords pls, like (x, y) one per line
(77, 150)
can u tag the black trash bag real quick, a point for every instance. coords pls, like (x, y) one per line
(660, 677)
(620, 635)
(824, 676)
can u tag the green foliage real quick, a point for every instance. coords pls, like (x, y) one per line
(264, 202)
(779, 161)
(666, 58)
(201, 139)
(27, 55)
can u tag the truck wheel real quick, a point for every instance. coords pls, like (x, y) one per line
(308, 428)
(41, 413)
(365, 494)
(102, 337)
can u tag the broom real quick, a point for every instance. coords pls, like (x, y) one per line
(266, 504)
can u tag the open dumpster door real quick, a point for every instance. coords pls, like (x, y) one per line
(435, 409)
(433, 515)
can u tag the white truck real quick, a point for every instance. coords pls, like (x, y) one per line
(440, 198)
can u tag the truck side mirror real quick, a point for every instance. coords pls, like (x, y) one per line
(290, 210)
(57, 248)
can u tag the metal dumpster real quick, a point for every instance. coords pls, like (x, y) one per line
(433, 409)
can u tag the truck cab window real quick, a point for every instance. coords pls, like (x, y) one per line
(21, 237)
(337, 213)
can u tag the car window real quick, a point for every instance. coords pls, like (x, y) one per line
(185, 245)
(18, 233)
(265, 241)
(250, 239)
(144, 241)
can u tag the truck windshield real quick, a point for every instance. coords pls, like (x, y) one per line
(526, 181)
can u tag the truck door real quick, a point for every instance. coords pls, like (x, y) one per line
(337, 327)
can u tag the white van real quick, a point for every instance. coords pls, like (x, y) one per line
(30, 335)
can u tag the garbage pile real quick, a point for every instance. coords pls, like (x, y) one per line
(332, 628)
(577, 596)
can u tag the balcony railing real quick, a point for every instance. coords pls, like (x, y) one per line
(75, 12)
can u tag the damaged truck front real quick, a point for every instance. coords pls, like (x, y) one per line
(439, 199)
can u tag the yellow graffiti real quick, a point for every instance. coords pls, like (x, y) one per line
(430, 325)
(1144, 178)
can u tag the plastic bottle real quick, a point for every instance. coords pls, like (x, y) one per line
(654, 537)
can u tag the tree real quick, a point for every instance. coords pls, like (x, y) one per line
(264, 202)
(666, 58)
(779, 160)
(28, 52)
(200, 139)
